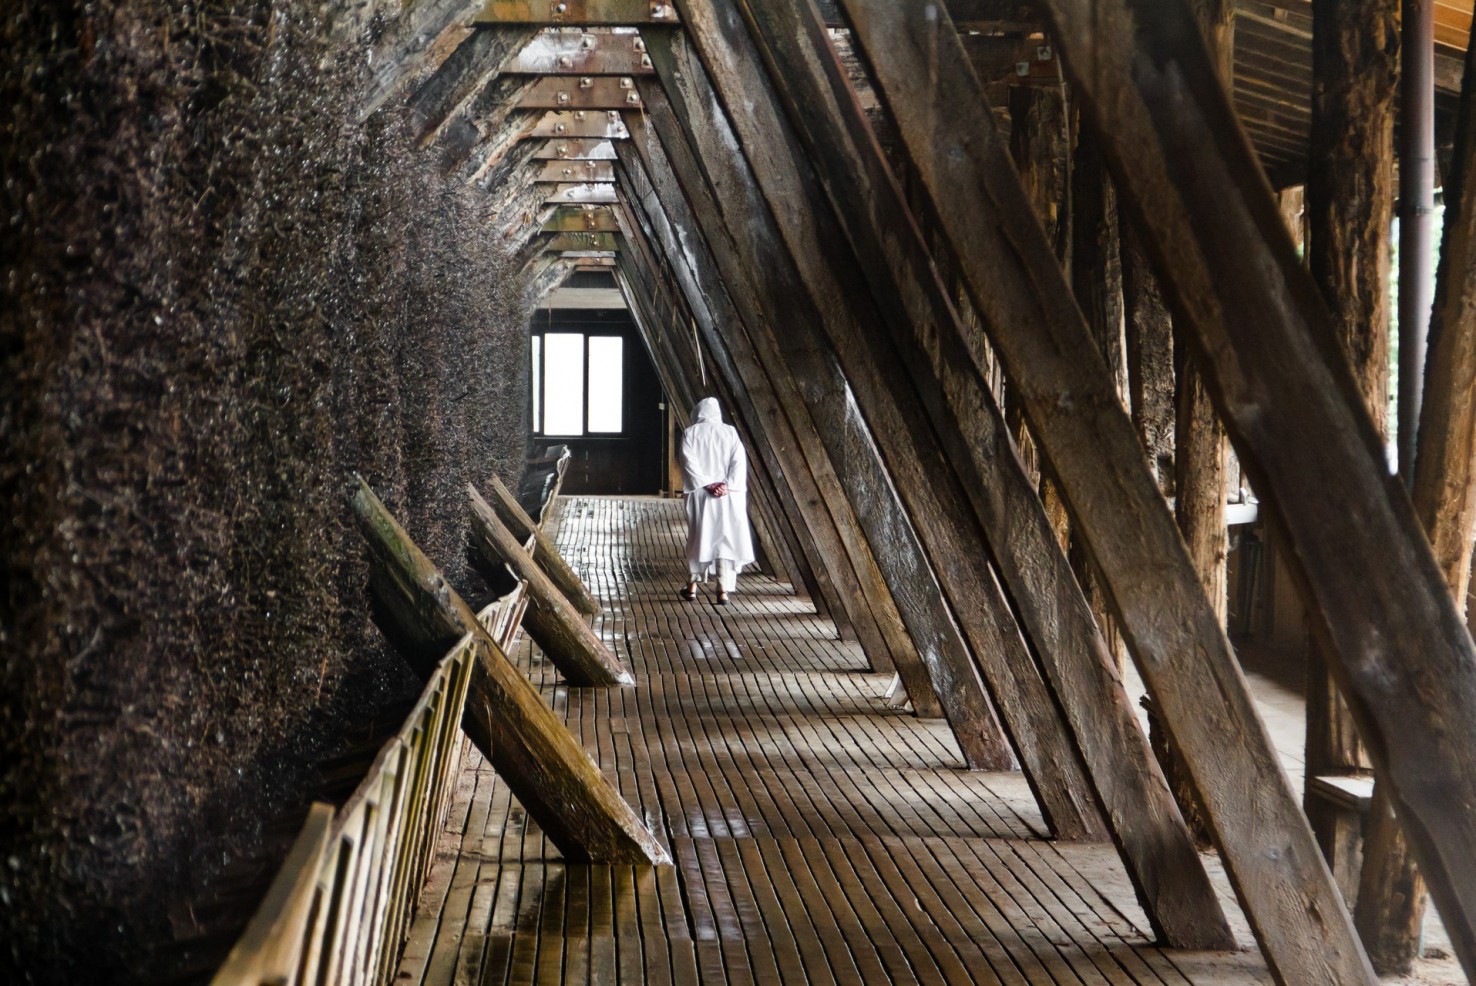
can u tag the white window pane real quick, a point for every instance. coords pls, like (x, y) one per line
(563, 383)
(537, 384)
(606, 383)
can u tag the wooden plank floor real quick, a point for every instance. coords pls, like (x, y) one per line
(819, 836)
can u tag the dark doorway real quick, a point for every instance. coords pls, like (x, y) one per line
(594, 389)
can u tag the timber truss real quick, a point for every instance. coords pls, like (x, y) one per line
(813, 214)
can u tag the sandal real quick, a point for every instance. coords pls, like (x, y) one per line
(689, 593)
(722, 599)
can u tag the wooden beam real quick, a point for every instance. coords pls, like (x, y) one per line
(561, 242)
(544, 766)
(467, 72)
(408, 42)
(571, 13)
(918, 466)
(1157, 851)
(1349, 208)
(560, 630)
(585, 53)
(600, 124)
(581, 92)
(582, 219)
(511, 513)
(1403, 654)
(578, 193)
(587, 172)
(489, 118)
(1072, 408)
(845, 558)
(575, 149)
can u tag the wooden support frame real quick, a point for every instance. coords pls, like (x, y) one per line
(560, 630)
(543, 765)
(582, 219)
(587, 172)
(600, 124)
(409, 41)
(587, 13)
(774, 495)
(1157, 850)
(575, 149)
(1172, 631)
(578, 193)
(1404, 658)
(748, 311)
(918, 467)
(841, 556)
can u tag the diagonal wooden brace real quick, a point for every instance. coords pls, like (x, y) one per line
(543, 765)
(553, 564)
(580, 655)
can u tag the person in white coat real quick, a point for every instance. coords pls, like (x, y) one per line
(715, 481)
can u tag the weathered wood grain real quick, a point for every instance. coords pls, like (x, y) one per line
(511, 513)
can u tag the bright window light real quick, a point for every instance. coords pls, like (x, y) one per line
(606, 377)
(563, 383)
(537, 384)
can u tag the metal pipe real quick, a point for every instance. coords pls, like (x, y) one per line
(1416, 217)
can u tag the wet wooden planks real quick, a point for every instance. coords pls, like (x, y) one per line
(819, 836)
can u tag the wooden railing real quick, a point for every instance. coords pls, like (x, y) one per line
(340, 907)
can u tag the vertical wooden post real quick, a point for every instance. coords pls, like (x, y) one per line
(1349, 206)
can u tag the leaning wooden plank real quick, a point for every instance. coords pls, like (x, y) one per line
(567, 640)
(543, 765)
(1072, 407)
(511, 513)
(1406, 661)
(1157, 851)
(269, 948)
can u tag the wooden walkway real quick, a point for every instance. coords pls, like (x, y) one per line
(819, 836)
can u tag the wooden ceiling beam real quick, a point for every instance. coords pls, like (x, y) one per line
(576, 171)
(577, 13)
(581, 92)
(581, 242)
(575, 149)
(596, 52)
(582, 219)
(579, 194)
(601, 124)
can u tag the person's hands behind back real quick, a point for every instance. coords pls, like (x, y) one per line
(717, 489)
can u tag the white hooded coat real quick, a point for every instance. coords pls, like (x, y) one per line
(717, 527)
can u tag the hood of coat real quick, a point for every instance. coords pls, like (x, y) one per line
(707, 410)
